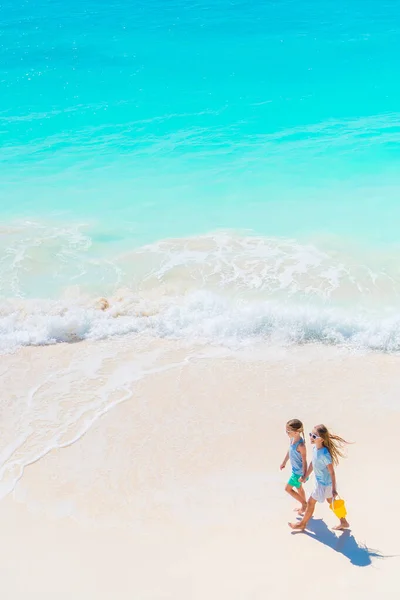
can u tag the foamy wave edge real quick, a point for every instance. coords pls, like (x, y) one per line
(202, 317)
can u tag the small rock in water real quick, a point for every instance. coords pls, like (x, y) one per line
(102, 304)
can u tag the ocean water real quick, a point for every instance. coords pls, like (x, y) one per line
(223, 171)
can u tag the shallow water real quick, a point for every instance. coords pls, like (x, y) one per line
(125, 125)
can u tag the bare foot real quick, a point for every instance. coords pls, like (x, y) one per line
(297, 526)
(301, 510)
(342, 525)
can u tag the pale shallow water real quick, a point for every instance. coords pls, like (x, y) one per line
(205, 163)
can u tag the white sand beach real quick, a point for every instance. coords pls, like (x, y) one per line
(144, 469)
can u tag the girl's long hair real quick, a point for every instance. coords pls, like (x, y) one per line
(334, 443)
(297, 426)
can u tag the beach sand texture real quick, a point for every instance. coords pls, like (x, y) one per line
(175, 490)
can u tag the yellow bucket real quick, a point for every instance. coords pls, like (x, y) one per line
(339, 508)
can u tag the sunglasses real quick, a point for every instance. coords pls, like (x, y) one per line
(314, 436)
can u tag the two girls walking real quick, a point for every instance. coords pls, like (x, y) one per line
(327, 448)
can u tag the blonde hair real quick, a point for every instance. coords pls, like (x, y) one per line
(334, 443)
(296, 426)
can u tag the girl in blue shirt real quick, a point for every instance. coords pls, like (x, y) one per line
(327, 449)
(298, 462)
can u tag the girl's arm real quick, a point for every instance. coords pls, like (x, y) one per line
(283, 465)
(331, 470)
(307, 475)
(303, 452)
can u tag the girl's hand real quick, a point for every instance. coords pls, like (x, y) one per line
(283, 465)
(302, 479)
(334, 493)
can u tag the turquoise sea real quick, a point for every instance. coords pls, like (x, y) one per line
(224, 170)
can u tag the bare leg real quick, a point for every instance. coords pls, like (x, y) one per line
(309, 513)
(302, 495)
(299, 496)
(344, 524)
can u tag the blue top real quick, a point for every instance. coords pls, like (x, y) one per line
(295, 458)
(321, 460)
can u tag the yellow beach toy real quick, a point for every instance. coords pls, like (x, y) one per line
(338, 506)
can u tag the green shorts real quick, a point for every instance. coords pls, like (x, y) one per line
(294, 481)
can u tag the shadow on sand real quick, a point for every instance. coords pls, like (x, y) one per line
(344, 543)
